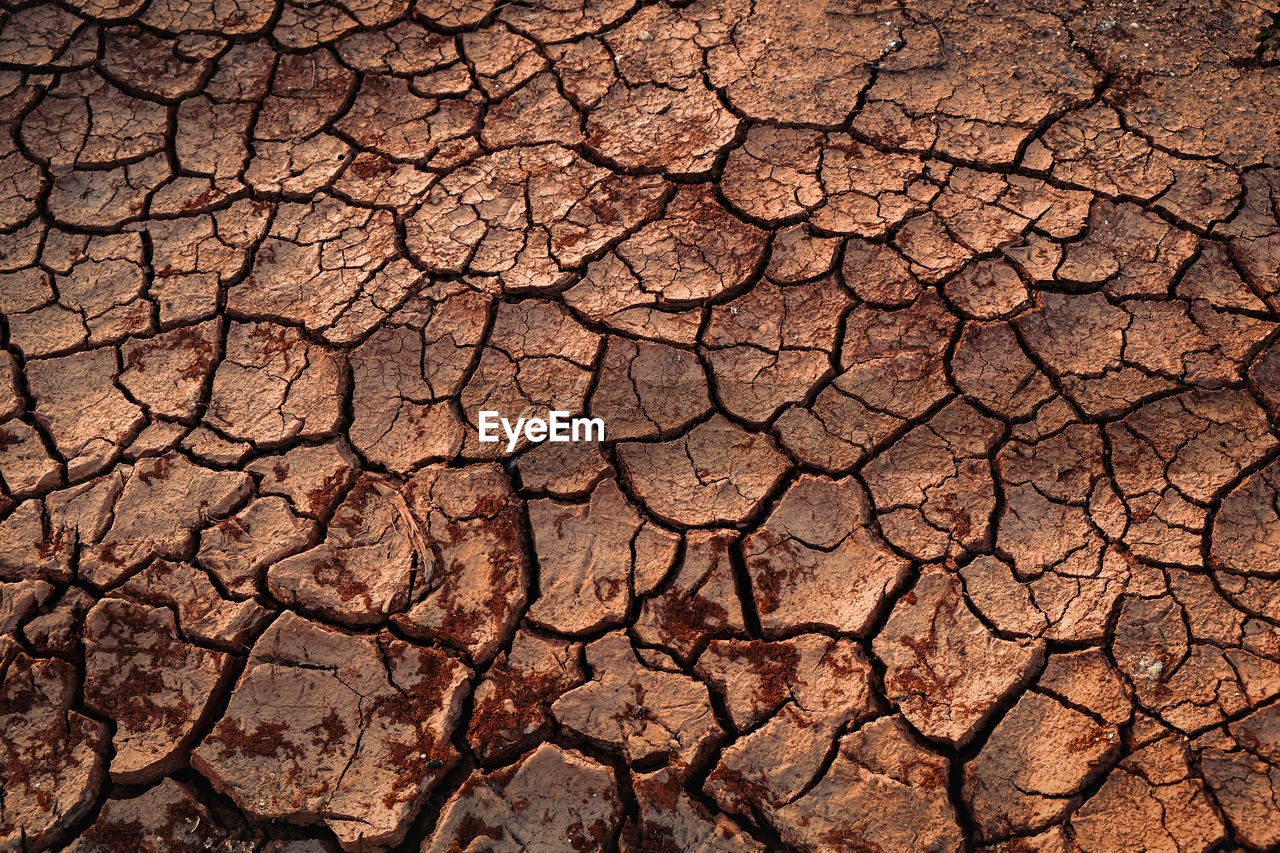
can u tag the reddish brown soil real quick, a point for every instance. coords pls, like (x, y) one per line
(938, 348)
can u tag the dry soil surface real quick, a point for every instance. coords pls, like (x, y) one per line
(936, 342)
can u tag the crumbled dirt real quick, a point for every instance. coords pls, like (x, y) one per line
(937, 344)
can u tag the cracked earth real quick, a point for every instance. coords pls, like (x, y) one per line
(938, 344)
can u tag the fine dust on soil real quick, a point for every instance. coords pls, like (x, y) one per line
(937, 346)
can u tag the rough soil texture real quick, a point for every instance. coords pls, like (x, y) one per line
(938, 347)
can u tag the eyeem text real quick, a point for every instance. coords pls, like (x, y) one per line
(559, 426)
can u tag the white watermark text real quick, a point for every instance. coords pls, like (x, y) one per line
(558, 426)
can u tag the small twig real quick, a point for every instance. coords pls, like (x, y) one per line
(412, 528)
(942, 42)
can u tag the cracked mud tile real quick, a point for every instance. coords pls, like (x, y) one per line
(1243, 539)
(168, 374)
(25, 463)
(84, 412)
(58, 632)
(655, 713)
(1173, 455)
(19, 599)
(927, 242)
(1094, 378)
(475, 218)
(1211, 123)
(169, 816)
(869, 192)
(1207, 347)
(1137, 251)
(769, 347)
(38, 35)
(404, 374)
(241, 548)
(159, 690)
(275, 386)
(671, 819)
(534, 113)
(328, 727)
(801, 64)
(879, 275)
(884, 789)
(101, 293)
(773, 175)
(242, 17)
(987, 213)
(307, 91)
(1090, 148)
(304, 26)
(1060, 510)
(12, 403)
(808, 690)
(551, 797)
(360, 574)
(798, 254)
(161, 504)
(1243, 776)
(1189, 657)
(696, 251)
(1029, 772)
(408, 120)
(566, 19)
(371, 180)
(51, 755)
(698, 601)
(1053, 840)
(715, 473)
(856, 411)
(329, 266)
(403, 48)
(186, 283)
(987, 290)
(990, 367)
(1087, 681)
(1161, 50)
(512, 701)
(85, 121)
(152, 63)
(996, 595)
(538, 359)
(204, 615)
(105, 199)
(1213, 278)
(1255, 234)
(968, 106)
(211, 134)
(563, 470)
(817, 563)
(287, 167)
(933, 489)
(313, 478)
(21, 183)
(1150, 798)
(945, 669)
(479, 585)
(647, 389)
(611, 294)
(585, 560)
(36, 542)
(503, 58)
(681, 127)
